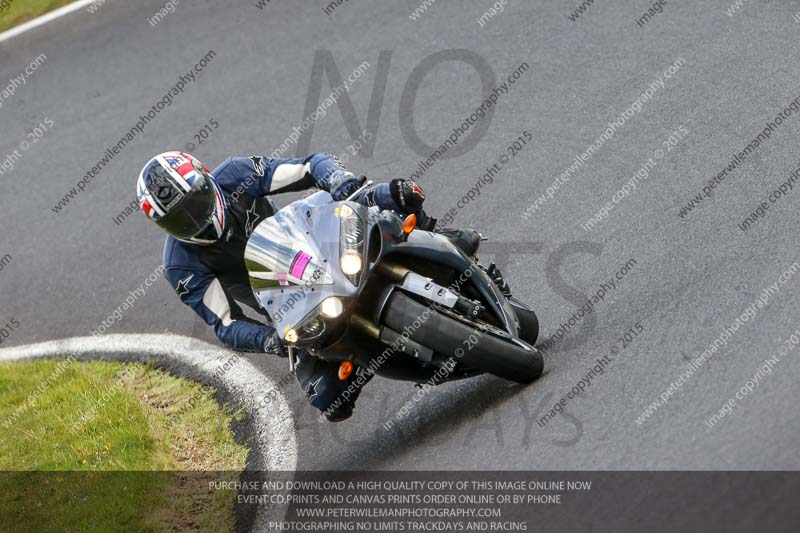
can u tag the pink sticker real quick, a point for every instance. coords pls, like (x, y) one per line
(283, 278)
(299, 264)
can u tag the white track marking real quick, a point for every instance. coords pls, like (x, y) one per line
(44, 19)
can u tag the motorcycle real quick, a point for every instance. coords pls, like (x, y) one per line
(355, 285)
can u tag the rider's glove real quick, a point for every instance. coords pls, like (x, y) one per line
(349, 185)
(273, 346)
(407, 195)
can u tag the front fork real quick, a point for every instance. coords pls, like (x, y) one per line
(425, 287)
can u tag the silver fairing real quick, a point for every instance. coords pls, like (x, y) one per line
(293, 259)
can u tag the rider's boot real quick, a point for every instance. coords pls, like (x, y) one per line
(320, 382)
(467, 240)
(343, 411)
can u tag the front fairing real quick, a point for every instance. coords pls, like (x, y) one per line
(293, 259)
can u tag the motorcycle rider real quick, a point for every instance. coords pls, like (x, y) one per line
(209, 217)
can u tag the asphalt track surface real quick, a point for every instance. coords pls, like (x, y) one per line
(692, 277)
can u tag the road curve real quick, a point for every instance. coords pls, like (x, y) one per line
(693, 82)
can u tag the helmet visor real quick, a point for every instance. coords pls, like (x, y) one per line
(193, 210)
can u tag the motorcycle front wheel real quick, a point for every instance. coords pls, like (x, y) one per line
(528, 322)
(468, 345)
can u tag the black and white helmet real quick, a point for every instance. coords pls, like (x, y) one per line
(178, 192)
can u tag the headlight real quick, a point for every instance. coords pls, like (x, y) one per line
(352, 230)
(331, 307)
(310, 330)
(313, 327)
(350, 263)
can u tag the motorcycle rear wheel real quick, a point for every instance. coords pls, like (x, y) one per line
(453, 338)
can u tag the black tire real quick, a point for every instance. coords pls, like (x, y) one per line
(528, 323)
(447, 335)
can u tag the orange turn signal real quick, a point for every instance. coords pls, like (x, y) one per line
(345, 369)
(409, 224)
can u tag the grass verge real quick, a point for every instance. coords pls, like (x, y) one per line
(94, 437)
(14, 12)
